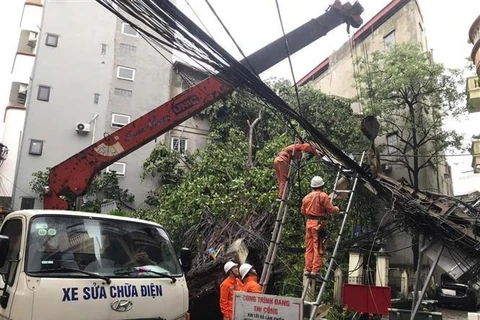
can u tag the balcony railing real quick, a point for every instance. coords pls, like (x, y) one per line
(473, 94)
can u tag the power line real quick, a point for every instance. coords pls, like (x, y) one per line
(205, 27)
(289, 57)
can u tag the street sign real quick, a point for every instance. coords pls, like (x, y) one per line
(252, 306)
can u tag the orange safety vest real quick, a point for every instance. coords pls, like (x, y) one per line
(226, 295)
(251, 285)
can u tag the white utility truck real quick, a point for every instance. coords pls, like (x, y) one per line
(76, 265)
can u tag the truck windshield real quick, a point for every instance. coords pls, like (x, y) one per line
(107, 247)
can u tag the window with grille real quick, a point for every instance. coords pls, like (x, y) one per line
(122, 92)
(32, 39)
(119, 120)
(126, 73)
(22, 93)
(392, 142)
(389, 40)
(27, 203)
(128, 30)
(179, 145)
(127, 47)
(118, 167)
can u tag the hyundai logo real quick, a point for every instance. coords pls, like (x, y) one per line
(121, 305)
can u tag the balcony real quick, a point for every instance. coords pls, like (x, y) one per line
(476, 155)
(27, 42)
(18, 94)
(473, 94)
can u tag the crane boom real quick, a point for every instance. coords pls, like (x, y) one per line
(76, 173)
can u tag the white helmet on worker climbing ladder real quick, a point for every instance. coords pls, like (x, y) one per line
(317, 182)
(229, 265)
(245, 269)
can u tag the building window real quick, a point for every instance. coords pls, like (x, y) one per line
(392, 142)
(127, 47)
(51, 40)
(118, 168)
(179, 145)
(27, 203)
(32, 40)
(96, 98)
(22, 93)
(128, 30)
(125, 73)
(104, 49)
(389, 40)
(13, 230)
(476, 83)
(43, 93)
(36, 147)
(119, 120)
(122, 92)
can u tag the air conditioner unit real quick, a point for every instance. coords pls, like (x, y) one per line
(82, 127)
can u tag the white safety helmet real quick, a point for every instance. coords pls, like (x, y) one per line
(317, 182)
(244, 269)
(229, 265)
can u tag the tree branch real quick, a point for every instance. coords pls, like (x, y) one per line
(251, 127)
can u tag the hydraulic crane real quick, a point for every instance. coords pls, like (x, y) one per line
(74, 175)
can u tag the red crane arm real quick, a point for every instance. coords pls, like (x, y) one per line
(76, 173)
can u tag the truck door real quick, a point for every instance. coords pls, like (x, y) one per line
(13, 229)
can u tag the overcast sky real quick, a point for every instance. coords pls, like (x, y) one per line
(254, 23)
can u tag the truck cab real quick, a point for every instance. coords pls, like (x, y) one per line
(65, 264)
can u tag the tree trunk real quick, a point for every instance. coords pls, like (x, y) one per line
(250, 139)
(415, 235)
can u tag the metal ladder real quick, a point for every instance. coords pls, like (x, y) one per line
(279, 222)
(310, 281)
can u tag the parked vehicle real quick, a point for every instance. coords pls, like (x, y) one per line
(73, 265)
(455, 294)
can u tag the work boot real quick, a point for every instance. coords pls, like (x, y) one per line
(317, 276)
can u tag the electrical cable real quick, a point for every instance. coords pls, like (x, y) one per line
(165, 24)
(289, 57)
(200, 20)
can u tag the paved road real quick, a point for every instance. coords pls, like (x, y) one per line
(448, 314)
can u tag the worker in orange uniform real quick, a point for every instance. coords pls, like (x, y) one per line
(228, 286)
(250, 279)
(282, 162)
(316, 207)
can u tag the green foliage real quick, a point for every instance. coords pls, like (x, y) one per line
(39, 182)
(338, 313)
(412, 95)
(119, 213)
(163, 165)
(104, 188)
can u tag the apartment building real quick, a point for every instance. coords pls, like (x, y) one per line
(399, 22)
(25, 48)
(93, 74)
